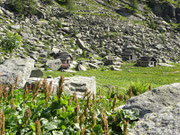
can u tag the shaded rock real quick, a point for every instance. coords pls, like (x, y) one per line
(159, 111)
(81, 67)
(92, 65)
(36, 73)
(109, 60)
(81, 44)
(54, 64)
(16, 67)
(116, 68)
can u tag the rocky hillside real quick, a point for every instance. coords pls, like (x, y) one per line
(94, 29)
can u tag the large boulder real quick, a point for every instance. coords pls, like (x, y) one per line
(78, 84)
(159, 111)
(16, 67)
(82, 45)
(54, 64)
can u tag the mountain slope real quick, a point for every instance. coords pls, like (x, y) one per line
(92, 30)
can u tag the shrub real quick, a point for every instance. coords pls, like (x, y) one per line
(151, 23)
(25, 7)
(70, 5)
(47, 1)
(139, 87)
(10, 42)
(134, 5)
(37, 110)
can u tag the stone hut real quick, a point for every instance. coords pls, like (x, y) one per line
(147, 61)
(128, 55)
(65, 58)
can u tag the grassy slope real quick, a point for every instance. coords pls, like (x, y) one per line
(155, 76)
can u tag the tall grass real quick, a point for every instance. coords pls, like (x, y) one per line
(138, 87)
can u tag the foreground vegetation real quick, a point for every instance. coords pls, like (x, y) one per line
(155, 76)
(36, 111)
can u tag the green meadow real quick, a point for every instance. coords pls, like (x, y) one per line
(154, 76)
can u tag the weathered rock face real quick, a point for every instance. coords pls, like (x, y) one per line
(54, 64)
(99, 35)
(166, 10)
(159, 111)
(78, 84)
(16, 67)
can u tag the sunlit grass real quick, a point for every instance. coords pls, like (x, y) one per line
(155, 76)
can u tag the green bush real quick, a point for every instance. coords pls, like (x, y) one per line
(139, 87)
(68, 3)
(24, 111)
(10, 42)
(24, 7)
(134, 5)
(151, 23)
(47, 1)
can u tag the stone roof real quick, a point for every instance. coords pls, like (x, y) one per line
(63, 55)
(148, 58)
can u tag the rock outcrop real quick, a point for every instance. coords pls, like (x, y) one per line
(16, 67)
(94, 31)
(54, 64)
(78, 84)
(159, 111)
